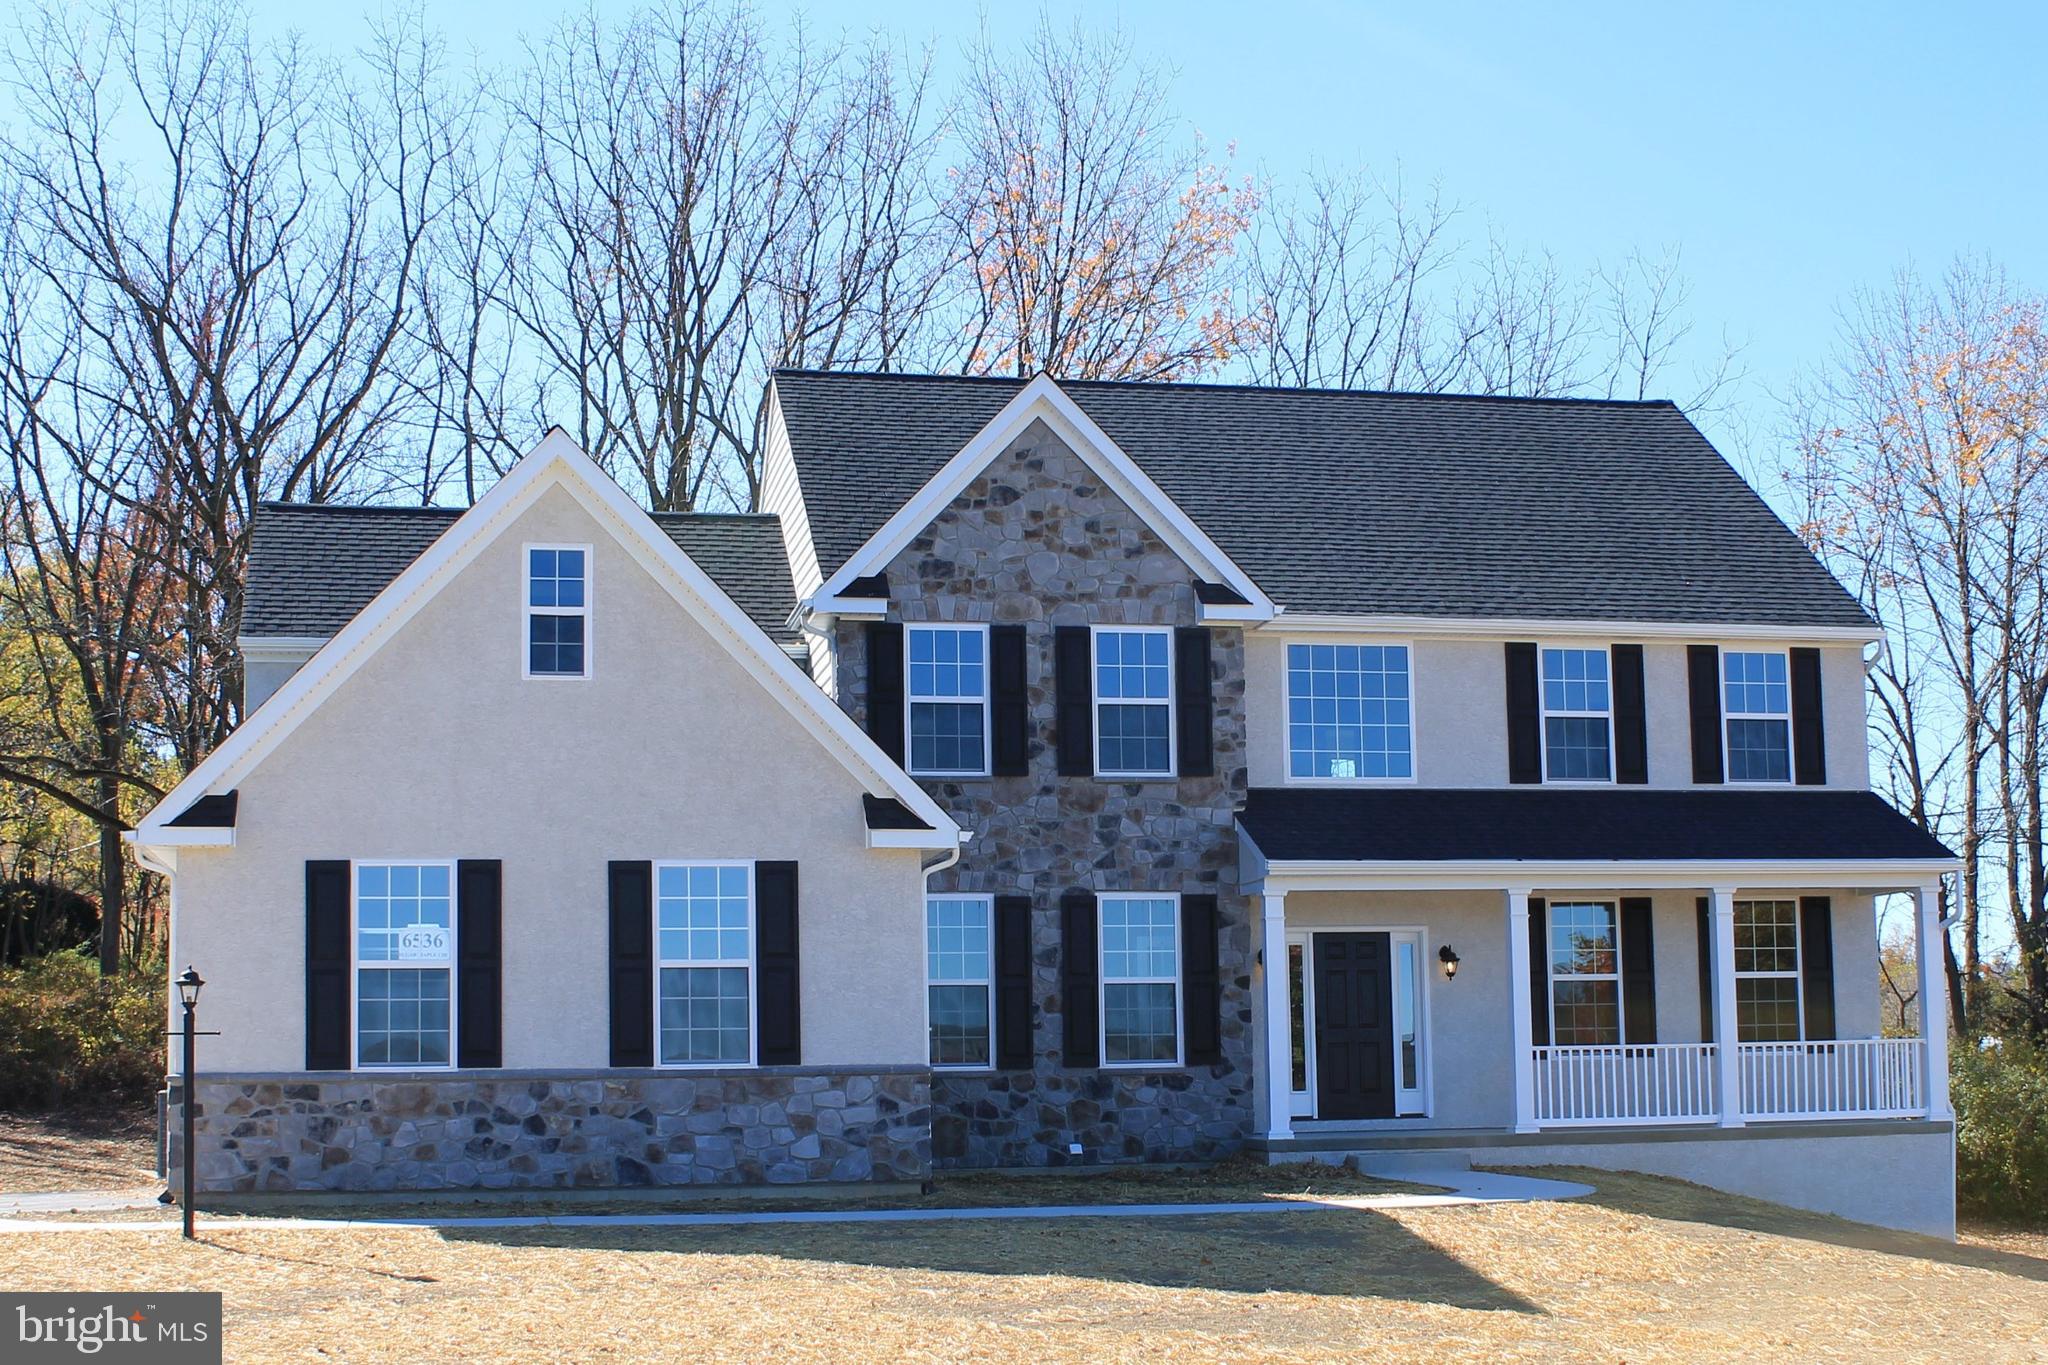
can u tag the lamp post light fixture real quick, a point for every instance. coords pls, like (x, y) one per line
(188, 992)
(1450, 961)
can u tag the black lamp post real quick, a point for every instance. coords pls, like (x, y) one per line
(188, 992)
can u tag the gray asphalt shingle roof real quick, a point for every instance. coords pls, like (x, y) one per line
(1361, 502)
(312, 568)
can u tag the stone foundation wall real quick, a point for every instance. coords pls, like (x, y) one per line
(515, 1130)
(1038, 539)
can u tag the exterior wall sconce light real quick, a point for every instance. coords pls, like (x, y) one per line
(1450, 961)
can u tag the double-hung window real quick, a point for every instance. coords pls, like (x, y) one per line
(1133, 701)
(959, 971)
(405, 964)
(1578, 716)
(704, 947)
(1585, 974)
(1348, 712)
(558, 611)
(1140, 980)
(1757, 705)
(1767, 971)
(948, 694)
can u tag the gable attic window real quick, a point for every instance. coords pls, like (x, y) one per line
(558, 611)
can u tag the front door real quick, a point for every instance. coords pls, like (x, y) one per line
(1354, 1003)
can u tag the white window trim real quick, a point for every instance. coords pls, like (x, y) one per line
(527, 611)
(985, 700)
(1303, 1102)
(1798, 972)
(1178, 980)
(751, 964)
(1544, 713)
(1552, 976)
(988, 905)
(1287, 776)
(1728, 716)
(1096, 701)
(356, 964)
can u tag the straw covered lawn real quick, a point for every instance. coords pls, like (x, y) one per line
(1645, 1269)
(41, 1154)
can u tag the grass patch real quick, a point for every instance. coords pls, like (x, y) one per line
(48, 1153)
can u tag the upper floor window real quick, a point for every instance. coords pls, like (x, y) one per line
(960, 976)
(704, 948)
(1585, 975)
(1767, 971)
(1133, 702)
(405, 963)
(948, 700)
(1348, 712)
(1140, 980)
(557, 611)
(1578, 716)
(1757, 709)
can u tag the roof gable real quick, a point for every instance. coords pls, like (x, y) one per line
(1374, 504)
(1042, 400)
(554, 463)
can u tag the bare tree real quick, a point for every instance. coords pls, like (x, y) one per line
(1922, 469)
(1098, 245)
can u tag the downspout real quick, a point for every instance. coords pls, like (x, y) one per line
(951, 857)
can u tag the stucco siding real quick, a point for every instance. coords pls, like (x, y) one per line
(436, 748)
(1460, 710)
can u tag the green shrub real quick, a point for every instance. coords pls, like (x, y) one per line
(2001, 1100)
(72, 1039)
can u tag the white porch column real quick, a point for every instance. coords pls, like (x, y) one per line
(1522, 1037)
(1275, 1023)
(1727, 1052)
(1933, 997)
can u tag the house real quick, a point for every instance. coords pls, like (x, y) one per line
(1063, 773)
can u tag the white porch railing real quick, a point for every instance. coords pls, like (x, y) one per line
(1675, 1082)
(1851, 1078)
(1642, 1083)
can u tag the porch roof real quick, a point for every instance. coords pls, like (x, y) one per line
(1410, 825)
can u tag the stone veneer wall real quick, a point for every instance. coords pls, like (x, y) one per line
(1038, 539)
(519, 1130)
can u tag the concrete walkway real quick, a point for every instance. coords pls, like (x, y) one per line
(1463, 1187)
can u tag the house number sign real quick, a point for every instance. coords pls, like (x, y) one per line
(422, 943)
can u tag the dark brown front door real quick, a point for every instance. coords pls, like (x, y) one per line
(1354, 1026)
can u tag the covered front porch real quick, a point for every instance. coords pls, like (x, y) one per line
(1571, 994)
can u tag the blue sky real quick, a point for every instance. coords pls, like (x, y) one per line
(1793, 152)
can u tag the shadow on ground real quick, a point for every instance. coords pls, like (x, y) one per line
(1351, 1253)
(1679, 1201)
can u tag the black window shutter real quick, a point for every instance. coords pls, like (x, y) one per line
(777, 1010)
(1817, 964)
(1703, 675)
(1013, 983)
(1010, 701)
(1638, 972)
(1706, 971)
(1193, 706)
(1202, 968)
(1080, 1008)
(1631, 717)
(1539, 972)
(1074, 718)
(479, 957)
(1809, 730)
(327, 983)
(1525, 721)
(885, 686)
(632, 967)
